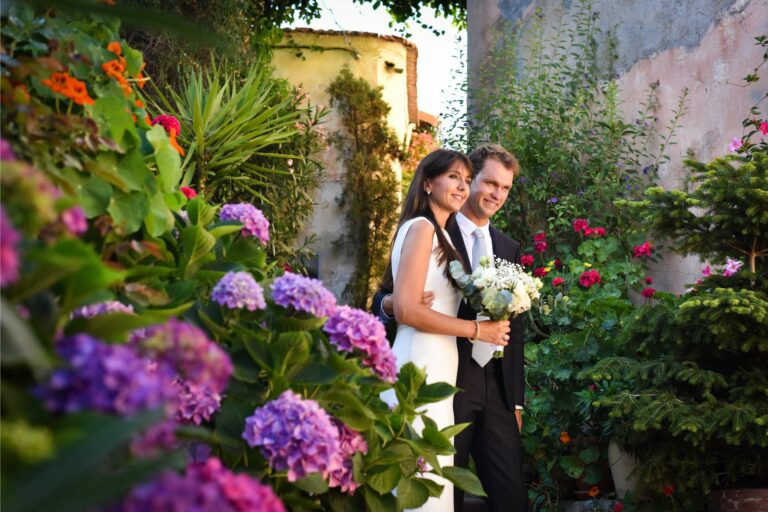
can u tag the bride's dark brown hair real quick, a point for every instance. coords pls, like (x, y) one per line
(417, 204)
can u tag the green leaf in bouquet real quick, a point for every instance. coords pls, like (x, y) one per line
(383, 478)
(312, 483)
(464, 479)
(411, 493)
(434, 392)
(376, 502)
(196, 249)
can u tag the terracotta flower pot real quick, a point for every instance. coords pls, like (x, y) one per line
(738, 500)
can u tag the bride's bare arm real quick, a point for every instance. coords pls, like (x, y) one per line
(409, 288)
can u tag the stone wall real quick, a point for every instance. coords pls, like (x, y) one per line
(312, 60)
(706, 46)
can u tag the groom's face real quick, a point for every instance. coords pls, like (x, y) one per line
(489, 189)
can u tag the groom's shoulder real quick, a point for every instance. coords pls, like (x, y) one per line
(507, 244)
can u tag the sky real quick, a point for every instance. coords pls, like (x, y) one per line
(436, 53)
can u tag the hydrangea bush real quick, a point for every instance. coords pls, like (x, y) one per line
(152, 354)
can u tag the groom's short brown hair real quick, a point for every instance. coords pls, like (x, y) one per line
(486, 151)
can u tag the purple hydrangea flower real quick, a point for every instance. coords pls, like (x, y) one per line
(303, 294)
(194, 403)
(552, 200)
(102, 308)
(202, 367)
(255, 224)
(74, 220)
(731, 267)
(106, 378)
(295, 435)
(6, 151)
(204, 487)
(188, 350)
(350, 442)
(9, 251)
(238, 290)
(353, 329)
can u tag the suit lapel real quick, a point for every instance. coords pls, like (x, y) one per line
(458, 242)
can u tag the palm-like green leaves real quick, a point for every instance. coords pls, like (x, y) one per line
(228, 122)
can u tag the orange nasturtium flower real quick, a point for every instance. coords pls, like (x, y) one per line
(70, 87)
(174, 144)
(564, 437)
(114, 47)
(594, 491)
(140, 79)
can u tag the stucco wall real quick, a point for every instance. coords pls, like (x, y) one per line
(314, 71)
(706, 46)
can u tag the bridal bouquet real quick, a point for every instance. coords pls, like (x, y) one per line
(499, 291)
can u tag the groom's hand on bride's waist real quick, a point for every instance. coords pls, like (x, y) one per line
(387, 307)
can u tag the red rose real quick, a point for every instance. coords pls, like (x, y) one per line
(618, 506)
(558, 281)
(526, 260)
(188, 192)
(540, 237)
(589, 278)
(580, 225)
(668, 490)
(540, 272)
(558, 264)
(648, 292)
(540, 246)
(643, 249)
(592, 387)
(648, 280)
(600, 232)
(588, 232)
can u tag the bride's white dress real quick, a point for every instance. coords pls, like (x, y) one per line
(436, 353)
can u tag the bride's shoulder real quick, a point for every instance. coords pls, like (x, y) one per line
(418, 227)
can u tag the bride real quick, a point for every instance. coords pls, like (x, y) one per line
(421, 252)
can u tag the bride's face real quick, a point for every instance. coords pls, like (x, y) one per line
(450, 190)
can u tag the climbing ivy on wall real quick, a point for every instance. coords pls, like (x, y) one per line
(369, 197)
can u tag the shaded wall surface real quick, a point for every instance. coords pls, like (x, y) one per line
(706, 46)
(312, 60)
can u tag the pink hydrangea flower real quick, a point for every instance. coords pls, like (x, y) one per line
(9, 251)
(74, 220)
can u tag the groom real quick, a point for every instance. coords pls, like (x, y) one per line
(492, 394)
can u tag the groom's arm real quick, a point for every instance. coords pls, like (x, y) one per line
(378, 309)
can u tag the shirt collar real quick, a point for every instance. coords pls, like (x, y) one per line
(468, 227)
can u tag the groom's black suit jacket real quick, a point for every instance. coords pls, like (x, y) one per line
(512, 363)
